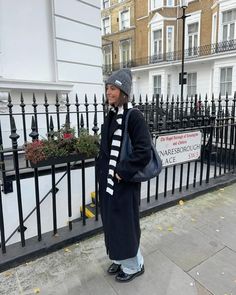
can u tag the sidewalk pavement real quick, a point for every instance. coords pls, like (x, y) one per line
(189, 249)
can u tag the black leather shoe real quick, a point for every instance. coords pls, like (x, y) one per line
(113, 269)
(123, 277)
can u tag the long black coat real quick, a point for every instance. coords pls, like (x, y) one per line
(120, 212)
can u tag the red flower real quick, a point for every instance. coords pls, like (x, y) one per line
(67, 135)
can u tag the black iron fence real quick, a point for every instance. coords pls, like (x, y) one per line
(214, 117)
(193, 52)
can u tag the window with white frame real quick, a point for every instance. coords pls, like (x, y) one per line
(169, 85)
(226, 81)
(157, 44)
(214, 28)
(192, 38)
(170, 3)
(169, 42)
(125, 53)
(157, 84)
(105, 4)
(106, 25)
(124, 20)
(228, 23)
(107, 58)
(156, 4)
(192, 84)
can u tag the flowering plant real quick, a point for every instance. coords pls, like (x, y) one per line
(62, 143)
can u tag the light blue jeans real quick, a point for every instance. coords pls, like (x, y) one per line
(131, 265)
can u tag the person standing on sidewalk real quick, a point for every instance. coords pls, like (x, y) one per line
(119, 198)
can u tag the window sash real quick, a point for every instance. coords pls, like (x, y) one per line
(106, 25)
(226, 81)
(125, 52)
(157, 42)
(192, 84)
(229, 16)
(169, 85)
(157, 85)
(170, 40)
(124, 19)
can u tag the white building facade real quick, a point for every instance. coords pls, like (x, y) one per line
(50, 46)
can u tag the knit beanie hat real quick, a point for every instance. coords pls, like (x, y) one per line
(122, 79)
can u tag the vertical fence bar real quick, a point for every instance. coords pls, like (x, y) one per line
(22, 105)
(57, 105)
(165, 181)
(86, 112)
(95, 121)
(2, 164)
(10, 106)
(54, 202)
(231, 132)
(14, 137)
(173, 180)
(34, 135)
(77, 105)
(46, 105)
(210, 140)
(67, 104)
(34, 105)
(68, 170)
(226, 131)
(96, 192)
(203, 153)
(53, 181)
(2, 229)
(95, 130)
(83, 192)
(234, 152)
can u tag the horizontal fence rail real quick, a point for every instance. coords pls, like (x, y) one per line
(214, 117)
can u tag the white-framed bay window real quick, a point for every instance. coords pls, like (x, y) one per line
(157, 84)
(193, 38)
(124, 19)
(155, 4)
(106, 25)
(157, 45)
(125, 52)
(226, 75)
(107, 58)
(169, 42)
(229, 25)
(191, 84)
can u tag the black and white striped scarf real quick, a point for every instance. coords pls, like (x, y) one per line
(115, 149)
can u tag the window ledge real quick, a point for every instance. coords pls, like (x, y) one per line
(6, 84)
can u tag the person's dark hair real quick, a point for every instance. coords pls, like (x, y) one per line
(123, 99)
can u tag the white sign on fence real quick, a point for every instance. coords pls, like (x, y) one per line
(179, 147)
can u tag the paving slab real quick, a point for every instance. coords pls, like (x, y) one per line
(222, 230)
(189, 249)
(161, 277)
(218, 273)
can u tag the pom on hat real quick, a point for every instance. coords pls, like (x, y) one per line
(122, 79)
